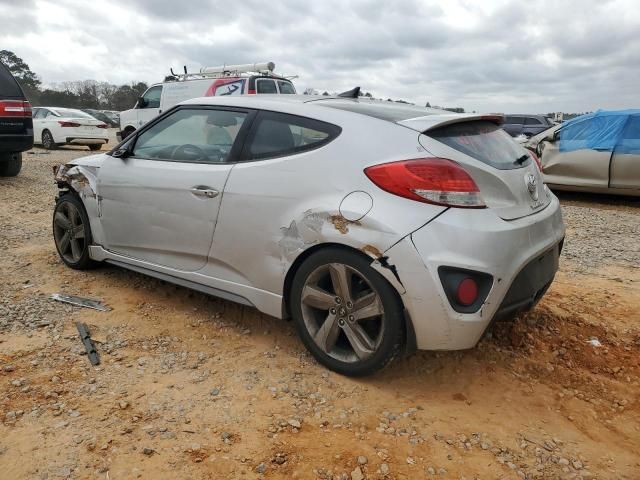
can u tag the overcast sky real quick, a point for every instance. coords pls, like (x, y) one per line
(499, 55)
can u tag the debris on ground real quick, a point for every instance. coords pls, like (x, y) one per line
(80, 301)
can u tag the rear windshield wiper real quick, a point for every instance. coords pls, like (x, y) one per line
(521, 160)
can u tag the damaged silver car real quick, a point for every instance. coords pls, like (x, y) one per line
(378, 228)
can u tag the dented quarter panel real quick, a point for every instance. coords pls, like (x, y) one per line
(273, 210)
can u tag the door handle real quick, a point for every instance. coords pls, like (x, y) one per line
(204, 192)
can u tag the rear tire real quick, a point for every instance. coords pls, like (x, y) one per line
(10, 164)
(47, 141)
(354, 333)
(72, 232)
(95, 148)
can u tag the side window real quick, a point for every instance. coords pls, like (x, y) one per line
(279, 134)
(152, 97)
(40, 113)
(191, 135)
(286, 88)
(516, 120)
(579, 131)
(265, 85)
(630, 143)
(532, 121)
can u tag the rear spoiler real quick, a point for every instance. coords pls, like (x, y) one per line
(430, 122)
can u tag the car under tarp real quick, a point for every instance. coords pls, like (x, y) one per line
(603, 130)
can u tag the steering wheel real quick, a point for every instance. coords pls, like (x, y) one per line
(191, 152)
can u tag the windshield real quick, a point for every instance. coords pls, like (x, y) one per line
(484, 141)
(71, 113)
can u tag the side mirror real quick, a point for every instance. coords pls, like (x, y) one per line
(121, 153)
(142, 102)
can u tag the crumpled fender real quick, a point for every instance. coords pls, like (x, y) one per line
(83, 180)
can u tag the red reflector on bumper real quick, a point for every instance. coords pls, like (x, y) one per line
(467, 292)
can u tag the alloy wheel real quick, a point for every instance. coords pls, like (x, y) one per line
(342, 312)
(69, 232)
(47, 140)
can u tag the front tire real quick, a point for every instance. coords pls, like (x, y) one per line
(10, 164)
(47, 140)
(347, 314)
(72, 232)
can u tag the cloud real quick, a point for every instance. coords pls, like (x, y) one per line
(494, 55)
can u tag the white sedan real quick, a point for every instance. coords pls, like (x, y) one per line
(67, 126)
(377, 227)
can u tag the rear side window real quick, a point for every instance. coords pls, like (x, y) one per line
(532, 121)
(280, 134)
(286, 88)
(8, 85)
(265, 86)
(510, 119)
(484, 141)
(630, 143)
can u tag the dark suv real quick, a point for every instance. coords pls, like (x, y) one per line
(527, 125)
(16, 125)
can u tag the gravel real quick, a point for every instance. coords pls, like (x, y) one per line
(600, 233)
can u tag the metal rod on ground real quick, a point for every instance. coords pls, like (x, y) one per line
(88, 344)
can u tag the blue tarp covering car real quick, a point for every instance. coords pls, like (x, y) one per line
(604, 130)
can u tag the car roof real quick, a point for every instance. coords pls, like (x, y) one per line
(384, 110)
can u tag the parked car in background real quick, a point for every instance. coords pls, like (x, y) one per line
(248, 79)
(100, 115)
(113, 116)
(527, 125)
(53, 127)
(436, 225)
(16, 125)
(598, 152)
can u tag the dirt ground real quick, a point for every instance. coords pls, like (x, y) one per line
(194, 387)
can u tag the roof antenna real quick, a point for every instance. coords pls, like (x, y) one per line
(353, 93)
(171, 70)
(185, 69)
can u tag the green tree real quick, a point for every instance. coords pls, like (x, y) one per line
(26, 78)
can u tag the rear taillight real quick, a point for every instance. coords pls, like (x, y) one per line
(68, 124)
(15, 108)
(430, 180)
(536, 159)
(251, 91)
(102, 125)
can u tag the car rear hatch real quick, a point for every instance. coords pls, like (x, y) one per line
(506, 174)
(15, 111)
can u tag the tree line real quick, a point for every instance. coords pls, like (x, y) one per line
(77, 94)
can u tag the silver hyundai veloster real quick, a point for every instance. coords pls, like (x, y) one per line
(377, 227)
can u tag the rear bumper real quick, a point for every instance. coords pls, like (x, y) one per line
(15, 143)
(520, 255)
